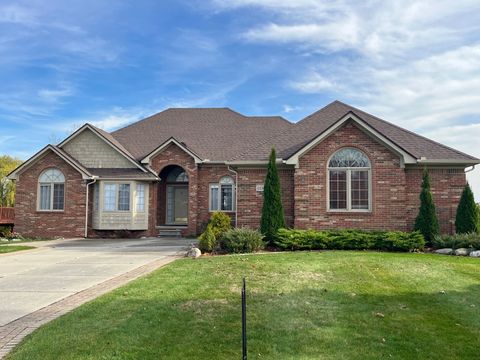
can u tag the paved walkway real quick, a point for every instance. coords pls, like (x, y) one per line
(40, 285)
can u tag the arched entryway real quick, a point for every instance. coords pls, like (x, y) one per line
(173, 196)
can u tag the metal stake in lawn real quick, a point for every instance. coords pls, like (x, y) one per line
(244, 321)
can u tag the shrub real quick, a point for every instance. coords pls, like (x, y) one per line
(272, 209)
(426, 221)
(241, 240)
(6, 232)
(219, 224)
(457, 241)
(466, 220)
(349, 240)
(207, 241)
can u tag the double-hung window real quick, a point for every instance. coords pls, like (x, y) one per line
(222, 195)
(349, 181)
(116, 197)
(51, 190)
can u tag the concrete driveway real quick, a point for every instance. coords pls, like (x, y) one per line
(33, 279)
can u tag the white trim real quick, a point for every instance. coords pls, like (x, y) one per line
(146, 159)
(405, 157)
(96, 132)
(14, 174)
(425, 161)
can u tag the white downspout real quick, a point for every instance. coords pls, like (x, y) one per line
(86, 205)
(236, 194)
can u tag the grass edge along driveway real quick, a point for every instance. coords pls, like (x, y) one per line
(305, 305)
(4, 249)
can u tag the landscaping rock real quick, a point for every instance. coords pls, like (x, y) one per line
(462, 252)
(194, 253)
(446, 251)
(475, 253)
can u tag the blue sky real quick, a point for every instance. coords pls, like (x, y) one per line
(416, 64)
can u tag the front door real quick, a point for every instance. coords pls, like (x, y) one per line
(177, 204)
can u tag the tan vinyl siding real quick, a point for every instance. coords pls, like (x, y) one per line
(93, 152)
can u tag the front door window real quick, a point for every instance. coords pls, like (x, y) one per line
(177, 204)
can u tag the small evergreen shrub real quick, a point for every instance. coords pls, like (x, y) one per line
(207, 241)
(219, 224)
(457, 241)
(427, 221)
(349, 240)
(466, 220)
(241, 240)
(6, 232)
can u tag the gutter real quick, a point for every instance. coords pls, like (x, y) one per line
(236, 193)
(94, 178)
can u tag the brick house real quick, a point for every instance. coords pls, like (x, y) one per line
(339, 167)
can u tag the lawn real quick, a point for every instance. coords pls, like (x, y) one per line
(309, 305)
(12, 248)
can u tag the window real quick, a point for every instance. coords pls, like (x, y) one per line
(177, 175)
(222, 195)
(140, 198)
(349, 181)
(51, 190)
(116, 197)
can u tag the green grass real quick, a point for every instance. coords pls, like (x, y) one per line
(328, 305)
(13, 248)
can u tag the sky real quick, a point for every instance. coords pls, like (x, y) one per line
(110, 63)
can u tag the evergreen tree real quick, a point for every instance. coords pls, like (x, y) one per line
(272, 210)
(426, 221)
(466, 220)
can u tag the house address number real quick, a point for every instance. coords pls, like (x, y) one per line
(259, 188)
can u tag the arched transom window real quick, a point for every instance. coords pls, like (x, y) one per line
(222, 195)
(349, 181)
(51, 190)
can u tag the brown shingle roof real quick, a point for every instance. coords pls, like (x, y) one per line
(217, 134)
(221, 134)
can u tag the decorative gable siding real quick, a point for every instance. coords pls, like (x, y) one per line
(93, 152)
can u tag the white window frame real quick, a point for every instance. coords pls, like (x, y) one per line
(348, 171)
(51, 184)
(219, 186)
(117, 197)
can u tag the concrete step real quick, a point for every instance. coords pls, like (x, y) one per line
(170, 231)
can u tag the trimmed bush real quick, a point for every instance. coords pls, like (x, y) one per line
(457, 241)
(272, 209)
(466, 220)
(349, 240)
(427, 221)
(241, 240)
(219, 224)
(207, 241)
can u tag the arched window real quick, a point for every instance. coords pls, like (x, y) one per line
(349, 181)
(51, 184)
(222, 195)
(177, 175)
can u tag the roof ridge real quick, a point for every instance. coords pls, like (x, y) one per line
(407, 131)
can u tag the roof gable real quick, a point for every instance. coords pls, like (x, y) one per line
(158, 150)
(88, 142)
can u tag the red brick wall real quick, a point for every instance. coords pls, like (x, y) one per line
(395, 191)
(68, 223)
(173, 155)
(388, 185)
(208, 174)
(250, 201)
(447, 186)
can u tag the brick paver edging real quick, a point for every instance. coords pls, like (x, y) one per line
(12, 333)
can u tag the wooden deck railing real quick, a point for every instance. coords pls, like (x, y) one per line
(7, 215)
